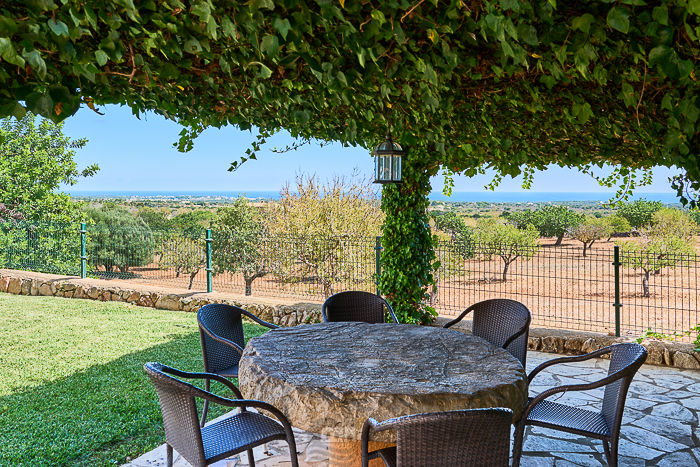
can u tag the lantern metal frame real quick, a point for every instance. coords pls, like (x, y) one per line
(388, 161)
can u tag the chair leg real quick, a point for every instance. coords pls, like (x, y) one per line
(293, 451)
(251, 458)
(518, 443)
(205, 409)
(610, 452)
(168, 455)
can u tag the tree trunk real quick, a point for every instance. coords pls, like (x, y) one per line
(559, 239)
(505, 270)
(585, 245)
(645, 283)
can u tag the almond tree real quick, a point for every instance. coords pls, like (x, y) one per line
(590, 230)
(330, 229)
(494, 238)
(651, 253)
(242, 242)
(183, 253)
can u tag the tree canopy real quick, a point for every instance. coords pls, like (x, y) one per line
(513, 85)
(35, 158)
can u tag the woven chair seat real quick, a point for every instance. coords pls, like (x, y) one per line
(239, 433)
(560, 416)
(230, 372)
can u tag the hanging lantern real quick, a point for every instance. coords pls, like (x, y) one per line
(387, 161)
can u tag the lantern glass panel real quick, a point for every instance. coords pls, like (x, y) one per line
(396, 169)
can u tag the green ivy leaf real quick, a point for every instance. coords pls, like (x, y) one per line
(36, 62)
(283, 26)
(379, 16)
(202, 10)
(8, 53)
(670, 63)
(660, 14)
(693, 7)
(270, 45)
(101, 57)
(528, 33)
(58, 27)
(398, 33)
(583, 23)
(618, 18)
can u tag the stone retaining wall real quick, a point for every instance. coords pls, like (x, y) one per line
(273, 311)
(287, 313)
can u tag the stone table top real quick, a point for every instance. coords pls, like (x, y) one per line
(329, 378)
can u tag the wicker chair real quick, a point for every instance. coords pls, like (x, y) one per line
(356, 305)
(462, 438)
(237, 433)
(504, 323)
(625, 360)
(221, 333)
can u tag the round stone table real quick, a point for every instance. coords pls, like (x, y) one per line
(329, 378)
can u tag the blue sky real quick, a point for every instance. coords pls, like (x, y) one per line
(138, 155)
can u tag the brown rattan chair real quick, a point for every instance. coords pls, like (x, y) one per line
(355, 305)
(504, 323)
(201, 446)
(461, 438)
(221, 334)
(625, 360)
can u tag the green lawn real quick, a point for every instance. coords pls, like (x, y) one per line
(72, 387)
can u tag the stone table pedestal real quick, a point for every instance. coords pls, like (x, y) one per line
(329, 378)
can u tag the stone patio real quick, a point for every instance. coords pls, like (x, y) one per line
(661, 426)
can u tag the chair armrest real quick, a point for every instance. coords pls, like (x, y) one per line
(517, 334)
(221, 339)
(573, 387)
(577, 358)
(364, 440)
(259, 321)
(211, 376)
(459, 318)
(391, 312)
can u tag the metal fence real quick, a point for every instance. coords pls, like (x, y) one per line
(562, 287)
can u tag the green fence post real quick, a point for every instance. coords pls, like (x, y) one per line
(378, 264)
(617, 303)
(83, 255)
(209, 268)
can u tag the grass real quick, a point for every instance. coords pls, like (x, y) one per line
(72, 387)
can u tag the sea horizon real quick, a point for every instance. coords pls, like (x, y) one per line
(461, 196)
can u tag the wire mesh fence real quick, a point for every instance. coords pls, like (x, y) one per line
(562, 287)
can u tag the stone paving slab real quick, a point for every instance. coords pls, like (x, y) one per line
(661, 424)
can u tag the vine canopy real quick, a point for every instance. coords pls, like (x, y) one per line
(514, 85)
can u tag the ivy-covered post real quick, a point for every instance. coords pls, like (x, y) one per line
(408, 256)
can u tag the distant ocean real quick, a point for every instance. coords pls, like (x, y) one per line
(464, 196)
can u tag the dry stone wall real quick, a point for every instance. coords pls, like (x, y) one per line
(286, 313)
(25, 283)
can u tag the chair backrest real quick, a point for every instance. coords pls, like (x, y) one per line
(498, 319)
(179, 409)
(626, 358)
(223, 321)
(461, 438)
(358, 306)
